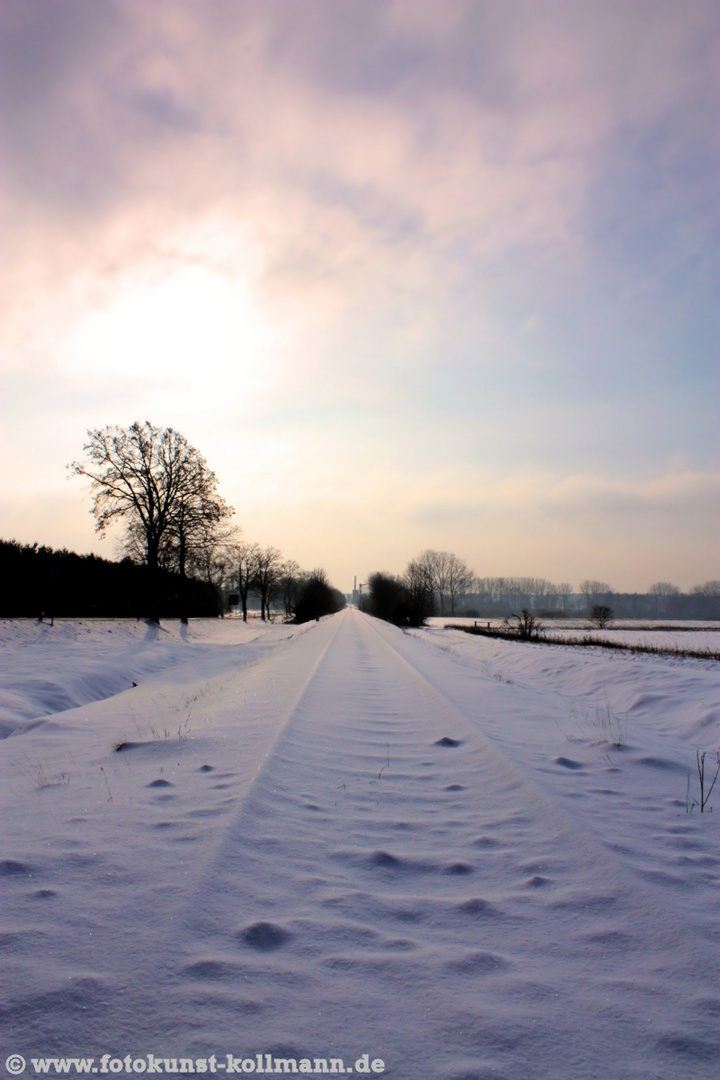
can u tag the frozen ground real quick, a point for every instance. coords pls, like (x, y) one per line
(663, 633)
(470, 858)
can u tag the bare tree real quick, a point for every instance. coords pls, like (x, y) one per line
(197, 531)
(420, 585)
(710, 588)
(291, 580)
(213, 553)
(564, 592)
(245, 558)
(436, 566)
(596, 593)
(595, 588)
(459, 579)
(661, 590)
(517, 592)
(266, 576)
(429, 565)
(154, 480)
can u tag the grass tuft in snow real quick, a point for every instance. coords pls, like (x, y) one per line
(155, 737)
(33, 770)
(705, 784)
(610, 725)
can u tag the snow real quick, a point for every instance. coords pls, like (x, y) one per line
(47, 668)
(662, 634)
(470, 858)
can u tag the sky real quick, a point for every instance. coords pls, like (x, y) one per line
(408, 273)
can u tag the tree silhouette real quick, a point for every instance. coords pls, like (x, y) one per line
(158, 483)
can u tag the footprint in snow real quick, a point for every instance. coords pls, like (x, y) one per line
(13, 868)
(457, 868)
(384, 859)
(478, 906)
(207, 970)
(486, 842)
(480, 963)
(264, 936)
(661, 763)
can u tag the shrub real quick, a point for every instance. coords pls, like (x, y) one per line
(526, 625)
(601, 616)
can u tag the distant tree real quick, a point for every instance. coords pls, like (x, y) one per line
(156, 482)
(596, 593)
(266, 570)
(291, 579)
(434, 566)
(517, 592)
(386, 598)
(595, 588)
(564, 592)
(245, 561)
(459, 579)
(316, 597)
(661, 590)
(710, 588)
(601, 616)
(421, 586)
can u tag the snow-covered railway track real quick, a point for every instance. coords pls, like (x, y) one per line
(392, 870)
(353, 866)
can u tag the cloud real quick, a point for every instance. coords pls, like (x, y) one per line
(439, 235)
(674, 494)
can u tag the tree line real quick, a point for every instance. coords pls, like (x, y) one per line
(41, 582)
(441, 583)
(263, 573)
(180, 553)
(178, 531)
(175, 520)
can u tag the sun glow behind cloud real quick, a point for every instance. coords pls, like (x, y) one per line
(193, 332)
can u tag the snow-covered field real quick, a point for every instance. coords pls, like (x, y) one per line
(662, 633)
(466, 857)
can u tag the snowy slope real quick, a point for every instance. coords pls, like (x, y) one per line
(46, 668)
(425, 847)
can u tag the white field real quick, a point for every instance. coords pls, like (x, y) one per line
(469, 858)
(661, 633)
